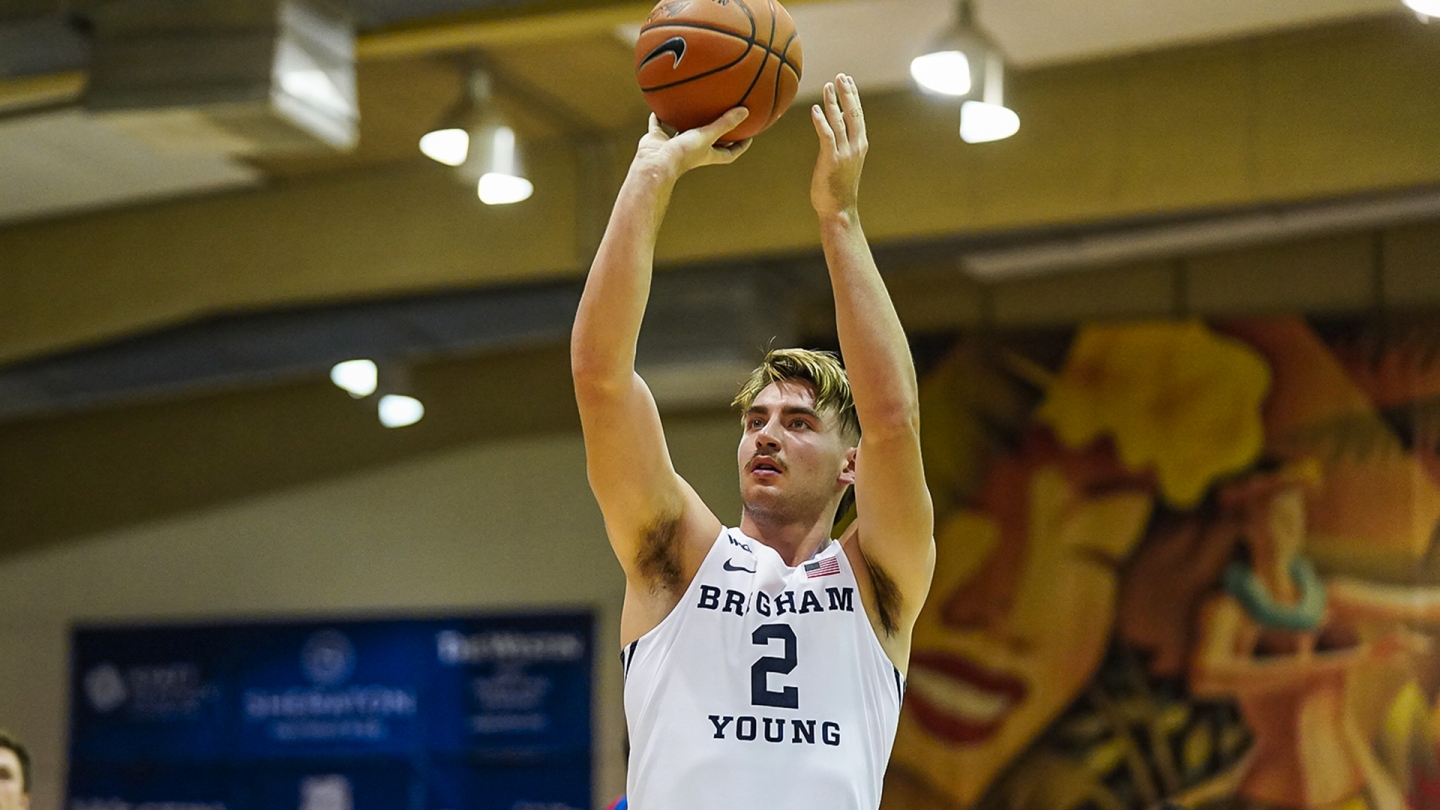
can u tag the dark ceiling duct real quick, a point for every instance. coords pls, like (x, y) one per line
(41, 44)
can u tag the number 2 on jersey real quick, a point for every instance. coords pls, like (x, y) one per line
(760, 692)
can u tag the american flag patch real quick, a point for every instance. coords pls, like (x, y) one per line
(822, 568)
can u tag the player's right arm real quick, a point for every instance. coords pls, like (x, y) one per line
(658, 527)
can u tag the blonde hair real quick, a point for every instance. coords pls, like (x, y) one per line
(821, 370)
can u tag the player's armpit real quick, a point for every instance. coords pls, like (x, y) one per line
(886, 598)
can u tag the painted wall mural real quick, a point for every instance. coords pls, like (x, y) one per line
(1181, 563)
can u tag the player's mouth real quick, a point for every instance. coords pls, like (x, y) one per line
(765, 467)
(959, 700)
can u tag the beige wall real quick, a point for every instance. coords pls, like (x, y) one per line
(504, 525)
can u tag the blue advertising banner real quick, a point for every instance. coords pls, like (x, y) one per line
(518, 786)
(439, 714)
(513, 688)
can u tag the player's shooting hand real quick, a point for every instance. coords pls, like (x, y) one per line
(681, 152)
(840, 123)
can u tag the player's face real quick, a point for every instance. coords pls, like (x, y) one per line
(794, 460)
(11, 795)
(1019, 617)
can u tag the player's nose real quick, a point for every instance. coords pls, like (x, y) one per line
(767, 436)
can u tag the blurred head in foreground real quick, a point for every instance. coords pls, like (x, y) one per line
(14, 774)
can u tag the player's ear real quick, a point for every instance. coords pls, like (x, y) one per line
(847, 473)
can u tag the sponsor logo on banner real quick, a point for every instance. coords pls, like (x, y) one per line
(105, 688)
(510, 700)
(150, 691)
(456, 649)
(331, 792)
(330, 711)
(328, 658)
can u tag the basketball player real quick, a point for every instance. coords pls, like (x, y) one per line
(764, 663)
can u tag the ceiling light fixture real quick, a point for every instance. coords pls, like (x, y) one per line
(475, 138)
(398, 410)
(357, 377)
(945, 68)
(449, 145)
(501, 179)
(449, 141)
(989, 119)
(1424, 9)
(960, 60)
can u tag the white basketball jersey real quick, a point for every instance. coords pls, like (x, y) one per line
(764, 688)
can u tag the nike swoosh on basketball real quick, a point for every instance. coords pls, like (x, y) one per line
(675, 46)
(731, 567)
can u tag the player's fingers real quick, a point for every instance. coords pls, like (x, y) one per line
(712, 131)
(655, 125)
(822, 126)
(833, 115)
(728, 154)
(854, 113)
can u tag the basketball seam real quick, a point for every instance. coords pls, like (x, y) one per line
(775, 91)
(775, 96)
(764, 60)
(727, 32)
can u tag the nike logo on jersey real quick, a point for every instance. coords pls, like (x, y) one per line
(730, 566)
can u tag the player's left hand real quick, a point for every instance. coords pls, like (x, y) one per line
(840, 123)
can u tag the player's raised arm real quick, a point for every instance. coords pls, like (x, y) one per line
(895, 518)
(630, 472)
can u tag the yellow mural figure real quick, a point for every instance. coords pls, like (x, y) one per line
(1026, 582)
(1125, 613)
(993, 661)
(1278, 643)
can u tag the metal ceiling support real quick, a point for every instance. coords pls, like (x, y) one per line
(1225, 231)
(52, 43)
(704, 330)
(32, 94)
(242, 77)
(42, 62)
(266, 348)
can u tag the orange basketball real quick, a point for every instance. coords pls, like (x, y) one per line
(695, 59)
